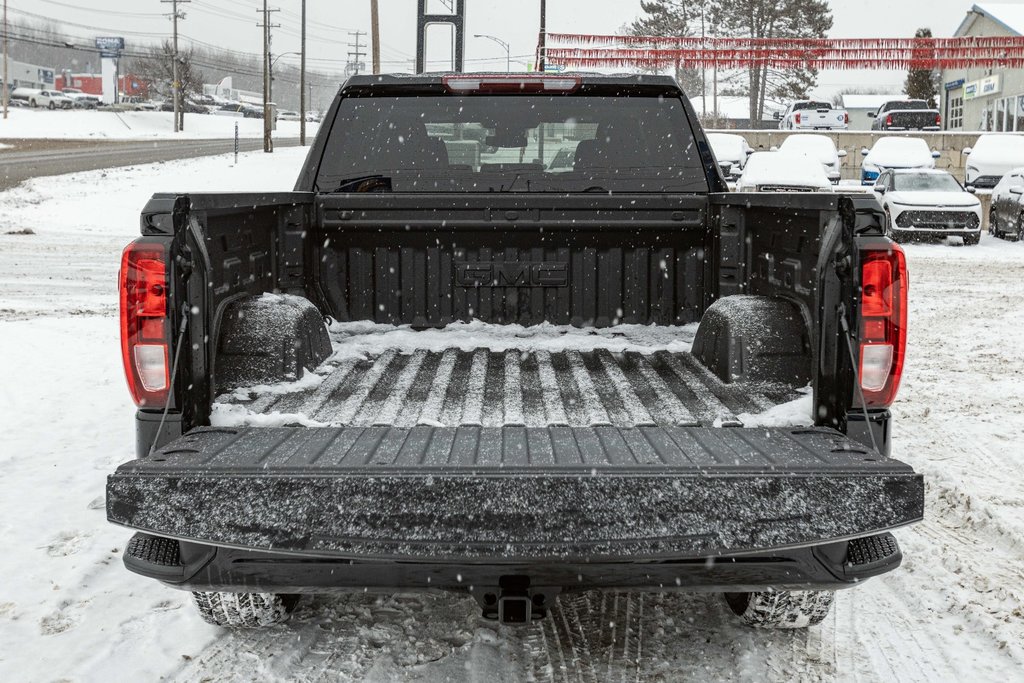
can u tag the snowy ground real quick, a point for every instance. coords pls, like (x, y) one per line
(69, 611)
(100, 124)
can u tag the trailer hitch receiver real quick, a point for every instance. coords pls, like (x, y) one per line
(514, 601)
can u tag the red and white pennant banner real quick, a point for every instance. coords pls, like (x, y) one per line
(596, 51)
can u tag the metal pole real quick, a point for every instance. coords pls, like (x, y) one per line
(703, 69)
(177, 85)
(6, 94)
(499, 41)
(302, 82)
(268, 140)
(542, 42)
(176, 77)
(375, 30)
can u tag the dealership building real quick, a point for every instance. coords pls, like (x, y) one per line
(23, 75)
(985, 99)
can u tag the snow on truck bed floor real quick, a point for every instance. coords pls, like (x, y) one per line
(494, 375)
(69, 611)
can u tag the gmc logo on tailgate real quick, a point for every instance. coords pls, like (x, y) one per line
(511, 274)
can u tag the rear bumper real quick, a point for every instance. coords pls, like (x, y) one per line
(189, 566)
(636, 494)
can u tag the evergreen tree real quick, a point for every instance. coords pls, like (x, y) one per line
(923, 84)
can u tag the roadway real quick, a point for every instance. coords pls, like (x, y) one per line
(25, 158)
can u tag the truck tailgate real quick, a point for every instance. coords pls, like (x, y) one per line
(514, 493)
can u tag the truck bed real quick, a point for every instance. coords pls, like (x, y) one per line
(519, 443)
(627, 379)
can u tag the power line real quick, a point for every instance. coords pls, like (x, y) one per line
(107, 12)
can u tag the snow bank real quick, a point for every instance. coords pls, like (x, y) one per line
(130, 125)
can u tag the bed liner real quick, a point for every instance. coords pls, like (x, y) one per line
(532, 388)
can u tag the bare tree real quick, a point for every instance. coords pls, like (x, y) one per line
(156, 69)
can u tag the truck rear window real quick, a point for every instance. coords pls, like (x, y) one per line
(511, 143)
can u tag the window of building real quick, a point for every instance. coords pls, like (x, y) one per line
(1005, 115)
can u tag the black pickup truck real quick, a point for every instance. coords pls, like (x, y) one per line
(906, 115)
(445, 362)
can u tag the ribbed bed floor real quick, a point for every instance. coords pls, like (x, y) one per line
(530, 388)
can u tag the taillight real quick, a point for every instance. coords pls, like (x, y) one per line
(510, 83)
(846, 118)
(888, 120)
(144, 322)
(798, 117)
(938, 120)
(883, 324)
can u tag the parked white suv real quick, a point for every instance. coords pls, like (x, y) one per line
(51, 99)
(992, 157)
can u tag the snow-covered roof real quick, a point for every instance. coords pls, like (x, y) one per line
(1008, 15)
(872, 102)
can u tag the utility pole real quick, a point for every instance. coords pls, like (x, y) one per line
(703, 69)
(268, 139)
(542, 41)
(176, 86)
(302, 82)
(353, 57)
(375, 31)
(6, 94)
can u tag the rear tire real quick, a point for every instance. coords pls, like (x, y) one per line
(993, 225)
(781, 609)
(244, 610)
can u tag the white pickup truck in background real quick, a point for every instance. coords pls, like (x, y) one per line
(813, 115)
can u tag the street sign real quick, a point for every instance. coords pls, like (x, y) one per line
(110, 48)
